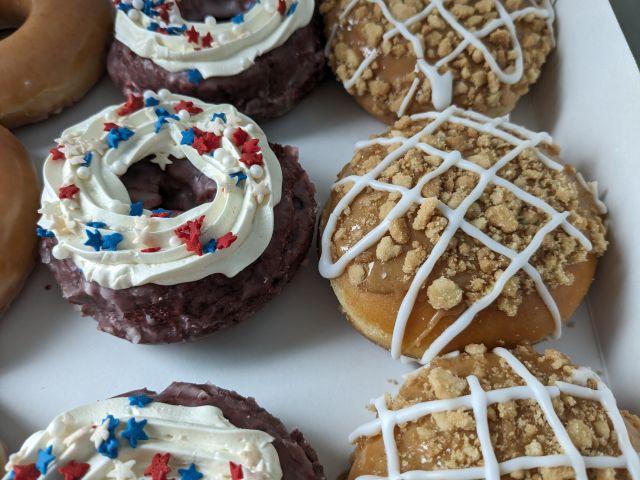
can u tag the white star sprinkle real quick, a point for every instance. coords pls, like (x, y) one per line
(162, 160)
(260, 191)
(100, 434)
(122, 470)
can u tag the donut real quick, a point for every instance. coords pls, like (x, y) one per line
(262, 57)
(453, 228)
(188, 431)
(170, 219)
(499, 414)
(401, 57)
(19, 187)
(54, 56)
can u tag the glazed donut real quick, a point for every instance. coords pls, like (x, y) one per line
(192, 431)
(505, 414)
(19, 187)
(173, 220)
(56, 54)
(261, 57)
(453, 228)
(401, 57)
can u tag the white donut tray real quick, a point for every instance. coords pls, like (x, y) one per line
(298, 357)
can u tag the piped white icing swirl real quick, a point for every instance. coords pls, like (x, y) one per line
(230, 46)
(98, 227)
(198, 436)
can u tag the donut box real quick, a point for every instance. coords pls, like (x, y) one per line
(298, 357)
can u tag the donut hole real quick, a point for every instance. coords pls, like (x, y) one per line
(180, 187)
(198, 10)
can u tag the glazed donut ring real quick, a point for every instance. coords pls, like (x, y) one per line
(18, 216)
(53, 58)
(452, 228)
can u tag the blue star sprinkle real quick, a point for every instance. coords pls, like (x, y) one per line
(153, 26)
(163, 117)
(190, 473)
(239, 176)
(109, 448)
(117, 135)
(125, 7)
(44, 233)
(210, 247)
(151, 102)
(292, 9)
(221, 116)
(94, 240)
(96, 224)
(195, 76)
(134, 432)
(173, 30)
(188, 136)
(87, 159)
(110, 242)
(45, 457)
(147, 8)
(141, 400)
(238, 19)
(135, 210)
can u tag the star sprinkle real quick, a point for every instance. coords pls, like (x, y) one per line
(68, 191)
(109, 447)
(210, 247)
(25, 472)
(45, 457)
(193, 35)
(238, 19)
(226, 240)
(117, 135)
(134, 432)
(125, 7)
(163, 117)
(108, 126)
(195, 77)
(74, 470)
(219, 115)
(101, 433)
(151, 250)
(190, 473)
(188, 136)
(133, 104)
(151, 102)
(189, 233)
(161, 213)
(96, 224)
(56, 153)
(94, 240)
(282, 7)
(207, 40)
(135, 210)
(239, 176)
(239, 136)
(159, 468)
(251, 153)
(162, 160)
(110, 242)
(206, 142)
(87, 159)
(122, 470)
(44, 233)
(292, 9)
(260, 190)
(188, 106)
(236, 471)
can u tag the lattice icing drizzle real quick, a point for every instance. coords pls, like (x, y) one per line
(117, 243)
(478, 400)
(520, 140)
(438, 77)
(123, 438)
(155, 29)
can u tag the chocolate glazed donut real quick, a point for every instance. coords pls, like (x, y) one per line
(269, 88)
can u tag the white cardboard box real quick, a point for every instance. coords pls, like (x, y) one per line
(298, 356)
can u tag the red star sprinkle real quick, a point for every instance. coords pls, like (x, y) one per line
(160, 215)
(225, 241)
(188, 106)
(239, 136)
(74, 470)
(159, 468)
(236, 471)
(110, 126)
(206, 142)
(163, 10)
(193, 35)
(207, 40)
(282, 7)
(133, 103)
(150, 250)
(56, 153)
(68, 191)
(190, 234)
(25, 472)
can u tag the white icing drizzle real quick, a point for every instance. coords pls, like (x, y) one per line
(592, 187)
(498, 127)
(191, 435)
(478, 400)
(233, 45)
(442, 83)
(242, 208)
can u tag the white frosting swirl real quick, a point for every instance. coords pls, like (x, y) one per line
(231, 46)
(242, 208)
(201, 436)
